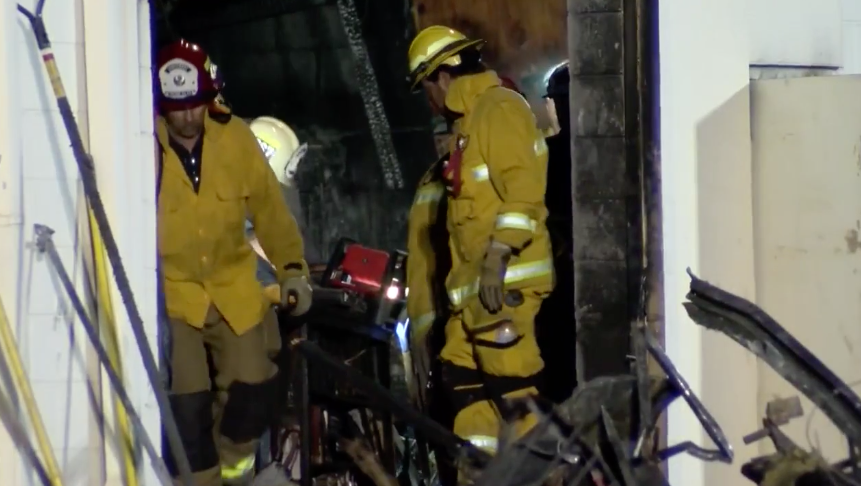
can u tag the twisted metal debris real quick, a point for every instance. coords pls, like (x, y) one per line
(601, 434)
(597, 437)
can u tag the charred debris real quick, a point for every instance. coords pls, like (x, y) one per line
(606, 433)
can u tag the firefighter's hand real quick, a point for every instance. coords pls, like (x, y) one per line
(273, 294)
(491, 284)
(296, 295)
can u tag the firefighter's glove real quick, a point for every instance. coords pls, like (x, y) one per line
(491, 282)
(296, 295)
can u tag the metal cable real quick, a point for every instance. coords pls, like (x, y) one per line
(370, 91)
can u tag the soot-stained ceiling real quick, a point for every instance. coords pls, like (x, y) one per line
(292, 59)
(524, 38)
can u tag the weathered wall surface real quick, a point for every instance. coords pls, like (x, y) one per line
(807, 207)
(795, 32)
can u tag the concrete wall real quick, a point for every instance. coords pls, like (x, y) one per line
(802, 34)
(851, 29)
(769, 219)
(795, 32)
(707, 215)
(807, 208)
(105, 69)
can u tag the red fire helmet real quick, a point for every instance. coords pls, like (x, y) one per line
(185, 77)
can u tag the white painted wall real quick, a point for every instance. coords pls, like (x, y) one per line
(800, 33)
(795, 32)
(710, 197)
(105, 69)
(707, 216)
(851, 27)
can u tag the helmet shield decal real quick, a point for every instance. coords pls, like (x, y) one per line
(268, 150)
(178, 79)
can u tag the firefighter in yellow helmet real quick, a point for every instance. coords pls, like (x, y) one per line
(502, 266)
(282, 149)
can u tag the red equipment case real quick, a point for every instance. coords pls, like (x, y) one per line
(357, 268)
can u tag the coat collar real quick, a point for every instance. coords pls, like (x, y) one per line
(212, 130)
(464, 92)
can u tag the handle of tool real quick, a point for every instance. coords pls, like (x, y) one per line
(19, 437)
(104, 359)
(111, 339)
(12, 359)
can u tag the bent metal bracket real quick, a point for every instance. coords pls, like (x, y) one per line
(599, 427)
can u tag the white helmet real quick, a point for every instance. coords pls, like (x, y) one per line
(280, 146)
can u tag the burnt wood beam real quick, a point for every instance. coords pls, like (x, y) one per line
(203, 15)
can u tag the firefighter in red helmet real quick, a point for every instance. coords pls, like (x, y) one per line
(215, 304)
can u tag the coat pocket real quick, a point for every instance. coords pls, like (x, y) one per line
(231, 194)
(463, 211)
(169, 226)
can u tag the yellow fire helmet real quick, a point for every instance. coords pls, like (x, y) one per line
(434, 46)
(280, 146)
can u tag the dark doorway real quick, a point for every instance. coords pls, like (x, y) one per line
(295, 60)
